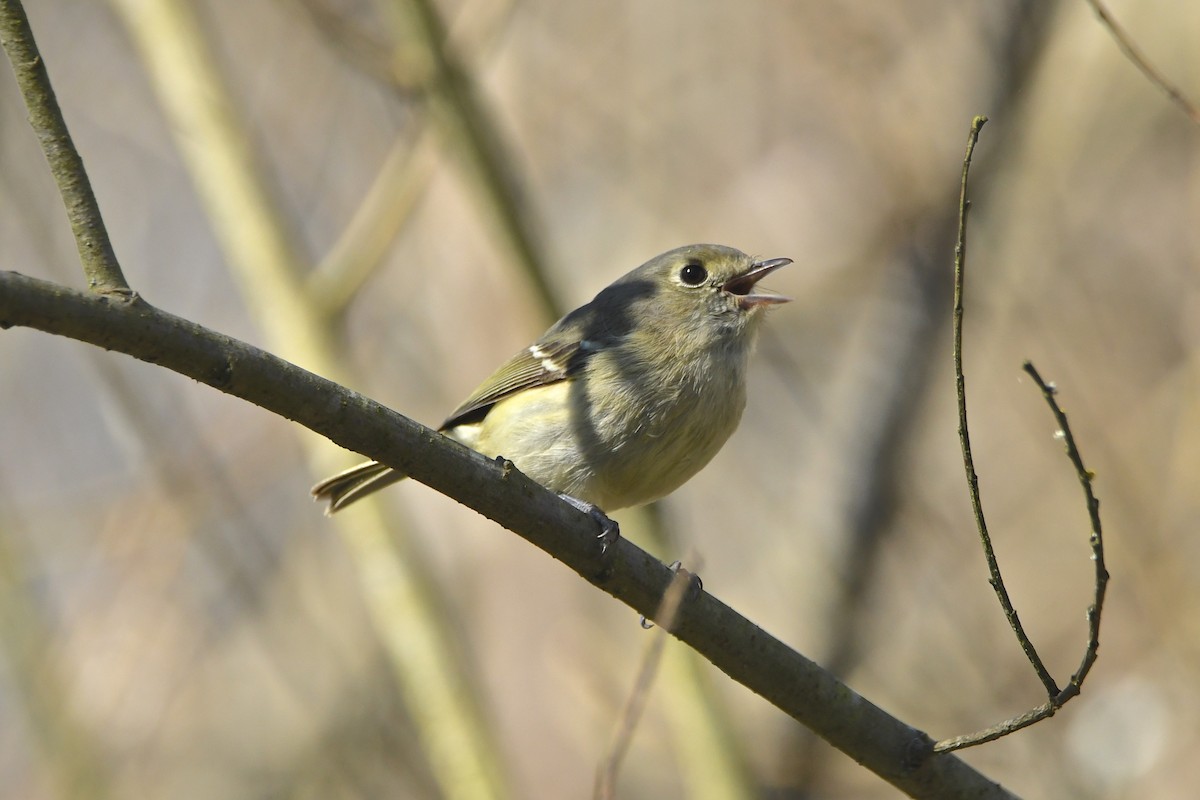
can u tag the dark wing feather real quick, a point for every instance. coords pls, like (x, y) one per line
(549, 360)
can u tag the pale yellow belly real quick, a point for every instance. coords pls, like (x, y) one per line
(612, 455)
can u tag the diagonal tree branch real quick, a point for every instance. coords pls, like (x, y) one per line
(897, 752)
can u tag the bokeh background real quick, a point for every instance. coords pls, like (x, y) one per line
(314, 176)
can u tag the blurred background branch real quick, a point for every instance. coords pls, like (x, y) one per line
(1134, 53)
(413, 621)
(423, 63)
(635, 703)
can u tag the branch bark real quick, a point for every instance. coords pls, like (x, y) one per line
(897, 752)
(95, 249)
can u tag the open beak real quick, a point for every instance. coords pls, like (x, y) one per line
(745, 286)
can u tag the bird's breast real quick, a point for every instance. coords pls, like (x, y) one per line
(649, 433)
(620, 433)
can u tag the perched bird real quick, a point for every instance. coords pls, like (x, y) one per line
(625, 398)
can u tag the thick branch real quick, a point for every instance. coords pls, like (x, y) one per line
(900, 754)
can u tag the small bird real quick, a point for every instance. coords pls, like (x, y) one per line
(625, 398)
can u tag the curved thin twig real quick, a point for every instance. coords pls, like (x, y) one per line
(995, 578)
(1057, 696)
(1096, 539)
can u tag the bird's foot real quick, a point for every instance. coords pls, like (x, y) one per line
(610, 532)
(696, 586)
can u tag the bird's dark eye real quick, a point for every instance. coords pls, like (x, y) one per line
(693, 274)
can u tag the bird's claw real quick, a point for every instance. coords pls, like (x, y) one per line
(696, 586)
(610, 532)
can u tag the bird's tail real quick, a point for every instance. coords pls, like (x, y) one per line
(355, 483)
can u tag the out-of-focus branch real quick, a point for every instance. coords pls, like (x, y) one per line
(1134, 54)
(474, 135)
(228, 174)
(897, 752)
(1057, 697)
(360, 49)
(426, 57)
(635, 703)
(903, 359)
(712, 757)
(373, 229)
(100, 263)
(233, 181)
(70, 752)
(421, 63)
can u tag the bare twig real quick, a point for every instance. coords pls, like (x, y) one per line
(635, 703)
(1134, 54)
(1095, 540)
(100, 263)
(995, 578)
(1057, 697)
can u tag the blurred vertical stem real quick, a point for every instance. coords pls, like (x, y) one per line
(258, 243)
(70, 753)
(368, 237)
(471, 132)
(703, 741)
(712, 762)
(711, 758)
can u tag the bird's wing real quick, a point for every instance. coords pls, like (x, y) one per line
(549, 360)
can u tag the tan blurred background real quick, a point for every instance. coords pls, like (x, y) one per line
(178, 620)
